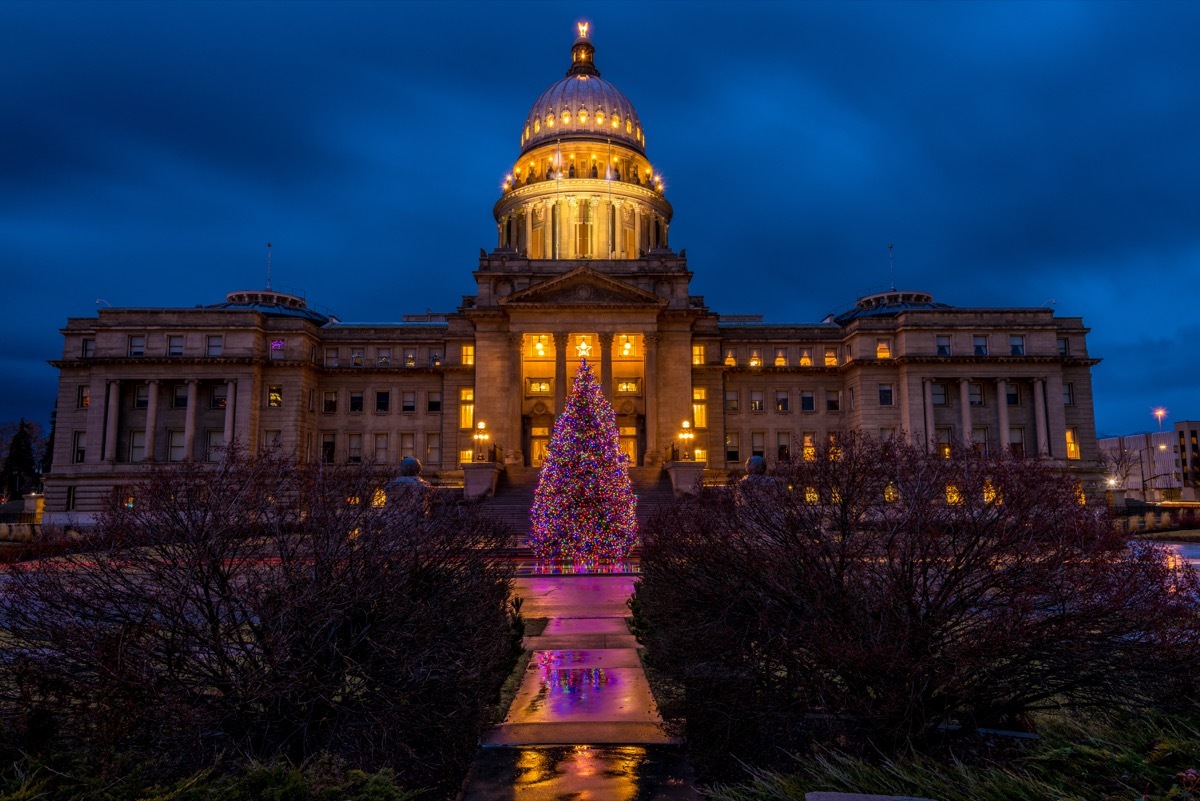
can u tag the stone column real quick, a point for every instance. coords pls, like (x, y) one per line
(1039, 416)
(1002, 404)
(666, 237)
(606, 377)
(616, 229)
(189, 421)
(595, 232)
(930, 428)
(528, 208)
(230, 403)
(560, 372)
(653, 230)
(637, 231)
(568, 227)
(110, 423)
(650, 346)
(151, 420)
(964, 397)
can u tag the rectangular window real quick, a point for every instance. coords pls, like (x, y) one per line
(357, 357)
(887, 434)
(141, 396)
(698, 354)
(466, 408)
(137, 346)
(627, 386)
(278, 349)
(755, 358)
(312, 403)
(468, 354)
(808, 445)
(944, 436)
(433, 402)
(781, 359)
(1073, 443)
(833, 400)
(83, 396)
(758, 443)
(730, 359)
(408, 401)
(783, 446)
(329, 401)
(885, 394)
(328, 446)
(883, 349)
(975, 394)
(699, 407)
(381, 448)
(71, 499)
(214, 345)
(175, 345)
(782, 400)
(87, 351)
(383, 401)
(1013, 392)
(939, 394)
(383, 357)
(78, 447)
(979, 440)
(215, 444)
(850, 399)
(1064, 346)
(981, 344)
(179, 396)
(410, 357)
(808, 400)
(275, 396)
(407, 447)
(433, 449)
(831, 359)
(1016, 441)
(175, 446)
(732, 453)
(757, 401)
(466, 455)
(1016, 345)
(272, 439)
(435, 359)
(354, 448)
(1068, 394)
(806, 357)
(943, 345)
(731, 400)
(356, 401)
(331, 357)
(538, 386)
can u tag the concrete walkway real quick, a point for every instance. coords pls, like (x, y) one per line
(584, 724)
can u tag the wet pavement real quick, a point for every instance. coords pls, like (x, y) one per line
(581, 773)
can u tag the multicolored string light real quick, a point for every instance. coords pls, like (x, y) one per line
(584, 508)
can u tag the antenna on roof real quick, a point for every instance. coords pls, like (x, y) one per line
(269, 265)
(891, 269)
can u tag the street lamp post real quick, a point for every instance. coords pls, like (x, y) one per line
(686, 435)
(1159, 414)
(481, 437)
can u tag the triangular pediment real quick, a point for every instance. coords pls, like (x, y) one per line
(583, 286)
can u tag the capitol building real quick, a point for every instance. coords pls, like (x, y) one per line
(583, 267)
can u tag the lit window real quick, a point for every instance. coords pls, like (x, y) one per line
(468, 354)
(137, 346)
(214, 345)
(1016, 345)
(831, 358)
(990, 493)
(883, 349)
(730, 359)
(435, 359)
(383, 357)
(466, 408)
(698, 354)
(83, 396)
(583, 115)
(275, 396)
(885, 394)
(806, 357)
(356, 357)
(383, 401)
(410, 357)
(975, 394)
(953, 497)
(627, 387)
(782, 398)
(616, 120)
(566, 117)
(808, 445)
(755, 358)
(378, 497)
(781, 357)
(943, 345)
(890, 493)
(811, 495)
(1068, 394)
(938, 391)
(356, 401)
(699, 407)
(981, 345)
(808, 400)
(944, 436)
(1072, 444)
(175, 345)
(538, 386)
(757, 402)
(329, 401)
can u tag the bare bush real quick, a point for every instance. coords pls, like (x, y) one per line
(267, 609)
(881, 594)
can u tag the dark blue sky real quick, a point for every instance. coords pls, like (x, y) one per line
(1015, 153)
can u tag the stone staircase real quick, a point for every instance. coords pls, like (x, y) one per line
(514, 498)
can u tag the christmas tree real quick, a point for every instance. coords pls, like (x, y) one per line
(584, 508)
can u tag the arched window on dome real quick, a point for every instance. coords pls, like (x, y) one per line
(616, 121)
(566, 116)
(549, 120)
(599, 117)
(537, 126)
(583, 115)
(628, 126)
(526, 131)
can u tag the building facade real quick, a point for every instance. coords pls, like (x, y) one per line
(1158, 466)
(583, 268)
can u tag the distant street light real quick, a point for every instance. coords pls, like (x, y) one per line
(1160, 413)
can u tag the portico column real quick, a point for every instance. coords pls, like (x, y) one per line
(1002, 406)
(637, 231)
(650, 347)
(528, 208)
(964, 398)
(616, 229)
(230, 403)
(569, 228)
(110, 423)
(189, 421)
(151, 420)
(930, 428)
(1039, 414)
(606, 382)
(560, 372)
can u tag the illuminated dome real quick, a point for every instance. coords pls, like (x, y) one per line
(583, 106)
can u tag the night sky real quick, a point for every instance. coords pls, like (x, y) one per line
(1016, 154)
